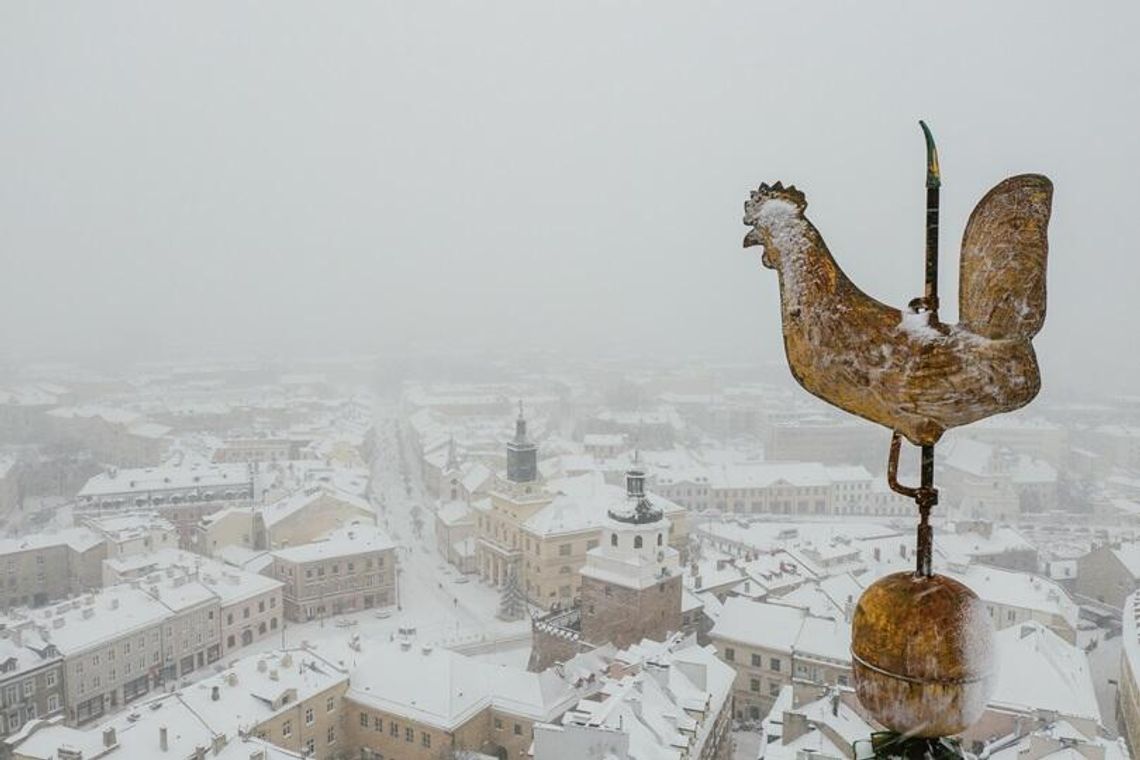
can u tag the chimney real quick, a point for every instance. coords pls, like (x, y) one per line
(219, 743)
(109, 739)
(273, 675)
(162, 742)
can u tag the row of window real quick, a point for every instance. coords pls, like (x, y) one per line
(310, 743)
(350, 567)
(27, 687)
(409, 733)
(247, 634)
(246, 611)
(756, 661)
(14, 720)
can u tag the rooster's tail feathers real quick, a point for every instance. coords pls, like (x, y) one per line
(1004, 251)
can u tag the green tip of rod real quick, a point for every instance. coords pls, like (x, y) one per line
(933, 174)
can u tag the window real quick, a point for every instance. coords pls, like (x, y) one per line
(53, 703)
(364, 719)
(308, 716)
(311, 746)
(773, 689)
(331, 734)
(29, 687)
(393, 729)
(287, 729)
(775, 665)
(518, 729)
(377, 723)
(564, 550)
(757, 661)
(842, 680)
(754, 684)
(51, 678)
(729, 654)
(425, 739)
(637, 542)
(498, 724)
(659, 539)
(330, 705)
(409, 734)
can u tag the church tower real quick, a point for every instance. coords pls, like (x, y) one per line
(452, 472)
(631, 582)
(522, 454)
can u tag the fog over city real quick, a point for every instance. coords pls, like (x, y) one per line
(411, 381)
(215, 179)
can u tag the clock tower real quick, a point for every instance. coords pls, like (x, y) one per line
(631, 583)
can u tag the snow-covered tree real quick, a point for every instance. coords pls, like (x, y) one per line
(512, 603)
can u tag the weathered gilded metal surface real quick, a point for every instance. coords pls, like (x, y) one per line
(922, 654)
(901, 368)
(1002, 277)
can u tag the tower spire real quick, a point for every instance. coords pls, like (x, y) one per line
(638, 509)
(452, 455)
(522, 455)
(520, 425)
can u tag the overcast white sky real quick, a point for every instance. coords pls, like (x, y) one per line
(219, 177)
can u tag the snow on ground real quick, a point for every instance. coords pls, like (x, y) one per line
(431, 598)
(747, 745)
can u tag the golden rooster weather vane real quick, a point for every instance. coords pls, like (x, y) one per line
(907, 370)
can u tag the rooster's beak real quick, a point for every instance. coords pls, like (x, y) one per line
(752, 238)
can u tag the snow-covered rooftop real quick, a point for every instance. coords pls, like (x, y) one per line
(356, 538)
(1038, 670)
(142, 480)
(444, 689)
(759, 624)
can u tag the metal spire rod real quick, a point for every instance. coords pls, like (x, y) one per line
(926, 495)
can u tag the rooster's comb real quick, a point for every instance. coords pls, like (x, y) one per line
(789, 193)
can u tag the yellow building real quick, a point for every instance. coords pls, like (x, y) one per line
(539, 531)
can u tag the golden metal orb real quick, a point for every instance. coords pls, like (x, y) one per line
(922, 654)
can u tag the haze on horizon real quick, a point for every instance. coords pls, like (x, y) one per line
(218, 179)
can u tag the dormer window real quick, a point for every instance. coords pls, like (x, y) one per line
(613, 539)
(637, 542)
